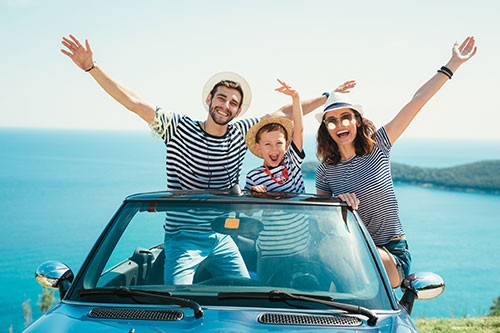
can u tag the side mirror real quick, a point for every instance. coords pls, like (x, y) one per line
(421, 285)
(54, 274)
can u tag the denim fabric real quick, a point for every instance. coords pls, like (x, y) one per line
(400, 252)
(185, 250)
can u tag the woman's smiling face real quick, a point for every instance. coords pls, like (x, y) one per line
(342, 125)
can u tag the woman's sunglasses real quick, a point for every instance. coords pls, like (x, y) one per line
(345, 120)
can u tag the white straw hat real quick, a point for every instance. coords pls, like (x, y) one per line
(230, 76)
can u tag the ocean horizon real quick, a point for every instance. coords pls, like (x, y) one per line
(59, 188)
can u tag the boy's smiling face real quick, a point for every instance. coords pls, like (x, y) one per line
(272, 147)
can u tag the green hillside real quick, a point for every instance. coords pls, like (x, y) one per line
(481, 176)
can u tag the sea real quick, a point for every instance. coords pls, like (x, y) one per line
(59, 188)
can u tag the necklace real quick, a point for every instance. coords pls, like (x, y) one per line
(211, 151)
(280, 179)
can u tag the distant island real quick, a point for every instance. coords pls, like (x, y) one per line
(483, 176)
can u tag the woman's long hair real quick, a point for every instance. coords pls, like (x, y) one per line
(327, 149)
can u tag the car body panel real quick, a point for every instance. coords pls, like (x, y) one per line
(339, 264)
(68, 317)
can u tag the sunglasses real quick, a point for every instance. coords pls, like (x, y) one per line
(345, 120)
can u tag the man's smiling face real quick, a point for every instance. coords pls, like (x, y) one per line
(224, 106)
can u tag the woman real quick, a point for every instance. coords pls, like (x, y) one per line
(355, 162)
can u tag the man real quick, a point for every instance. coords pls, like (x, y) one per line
(200, 155)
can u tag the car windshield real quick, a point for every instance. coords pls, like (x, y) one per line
(200, 249)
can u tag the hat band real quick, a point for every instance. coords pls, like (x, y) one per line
(337, 106)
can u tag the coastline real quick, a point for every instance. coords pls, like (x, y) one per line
(478, 177)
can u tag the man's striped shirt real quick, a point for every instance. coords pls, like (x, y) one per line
(197, 160)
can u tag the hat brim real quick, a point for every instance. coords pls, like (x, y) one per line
(251, 136)
(231, 76)
(319, 116)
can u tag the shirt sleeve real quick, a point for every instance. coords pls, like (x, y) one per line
(296, 155)
(321, 180)
(243, 125)
(383, 141)
(165, 124)
(249, 182)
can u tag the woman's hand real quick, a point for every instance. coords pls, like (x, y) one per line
(350, 199)
(465, 51)
(462, 53)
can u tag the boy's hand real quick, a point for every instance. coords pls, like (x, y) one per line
(286, 89)
(259, 188)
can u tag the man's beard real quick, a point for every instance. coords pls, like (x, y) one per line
(215, 116)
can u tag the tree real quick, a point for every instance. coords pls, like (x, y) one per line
(46, 299)
(495, 308)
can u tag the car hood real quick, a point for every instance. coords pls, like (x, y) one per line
(78, 318)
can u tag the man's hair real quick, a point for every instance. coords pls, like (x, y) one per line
(328, 151)
(228, 84)
(270, 128)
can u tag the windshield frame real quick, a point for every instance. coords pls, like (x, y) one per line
(119, 222)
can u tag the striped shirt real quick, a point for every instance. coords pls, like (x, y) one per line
(292, 160)
(369, 177)
(285, 233)
(197, 160)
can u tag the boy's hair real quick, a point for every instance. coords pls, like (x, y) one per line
(328, 151)
(271, 127)
(228, 84)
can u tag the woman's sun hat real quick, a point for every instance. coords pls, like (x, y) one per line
(231, 76)
(251, 137)
(338, 101)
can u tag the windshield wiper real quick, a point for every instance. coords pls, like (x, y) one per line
(132, 293)
(282, 296)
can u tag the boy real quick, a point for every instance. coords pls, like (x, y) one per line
(279, 142)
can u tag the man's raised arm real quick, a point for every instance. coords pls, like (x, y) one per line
(82, 56)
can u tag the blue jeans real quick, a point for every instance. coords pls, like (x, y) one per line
(400, 252)
(185, 250)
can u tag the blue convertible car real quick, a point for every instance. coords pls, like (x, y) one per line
(249, 262)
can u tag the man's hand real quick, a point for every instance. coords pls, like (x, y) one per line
(345, 87)
(81, 55)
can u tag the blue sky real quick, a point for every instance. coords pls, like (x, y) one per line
(166, 50)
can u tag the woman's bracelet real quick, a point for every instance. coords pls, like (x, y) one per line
(446, 71)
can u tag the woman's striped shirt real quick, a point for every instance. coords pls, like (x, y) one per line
(369, 177)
